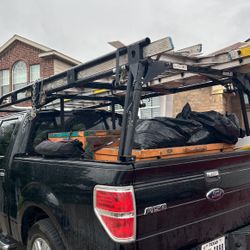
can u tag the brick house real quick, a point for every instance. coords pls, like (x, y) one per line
(22, 61)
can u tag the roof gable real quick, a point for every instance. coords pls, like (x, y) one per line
(23, 40)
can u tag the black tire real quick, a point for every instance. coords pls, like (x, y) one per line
(44, 230)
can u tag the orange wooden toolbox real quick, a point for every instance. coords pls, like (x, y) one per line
(110, 153)
(91, 139)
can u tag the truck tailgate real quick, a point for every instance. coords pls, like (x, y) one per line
(185, 217)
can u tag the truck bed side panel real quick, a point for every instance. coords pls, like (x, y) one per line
(64, 190)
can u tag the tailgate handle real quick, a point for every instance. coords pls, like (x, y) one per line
(212, 177)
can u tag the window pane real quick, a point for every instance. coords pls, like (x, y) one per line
(152, 108)
(156, 101)
(4, 81)
(145, 113)
(34, 72)
(19, 75)
(118, 109)
(5, 77)
(5, 90)
(6, 131)
(155, 112)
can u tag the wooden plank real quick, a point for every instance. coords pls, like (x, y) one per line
(110, 153)
(154, 48)
(113, 158)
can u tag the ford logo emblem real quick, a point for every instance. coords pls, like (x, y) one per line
(215, 194)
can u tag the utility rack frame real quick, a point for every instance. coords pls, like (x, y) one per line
(128, 75)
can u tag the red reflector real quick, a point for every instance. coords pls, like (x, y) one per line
(120, 228)
(114, 201)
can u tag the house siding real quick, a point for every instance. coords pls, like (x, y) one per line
(60, 66)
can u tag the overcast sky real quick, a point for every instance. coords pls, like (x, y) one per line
(82, 28)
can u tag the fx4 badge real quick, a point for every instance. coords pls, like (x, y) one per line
(155, 209)
(215, 194)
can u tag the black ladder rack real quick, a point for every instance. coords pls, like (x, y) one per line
(141, 68)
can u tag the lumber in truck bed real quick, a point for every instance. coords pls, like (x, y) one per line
(111, 153)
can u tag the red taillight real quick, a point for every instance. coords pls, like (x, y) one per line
(115, 201)
(115, 208)
(120, 228)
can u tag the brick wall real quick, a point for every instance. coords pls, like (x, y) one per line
(21, 51)
(207, 99)
(47, 67)
(200, 100)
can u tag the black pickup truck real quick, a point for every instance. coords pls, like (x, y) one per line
(55, 203)
(49, 203)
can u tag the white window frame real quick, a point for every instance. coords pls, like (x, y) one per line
(119, 109)
(148, 107)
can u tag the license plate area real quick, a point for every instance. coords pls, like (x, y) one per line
(217, 244)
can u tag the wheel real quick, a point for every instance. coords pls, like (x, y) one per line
(43, 236)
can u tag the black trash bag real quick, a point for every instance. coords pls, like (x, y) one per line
(189, 128)
(221, 128)
(60, 149)
(162, 132)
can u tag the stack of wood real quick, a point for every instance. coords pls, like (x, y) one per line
(91, 140)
